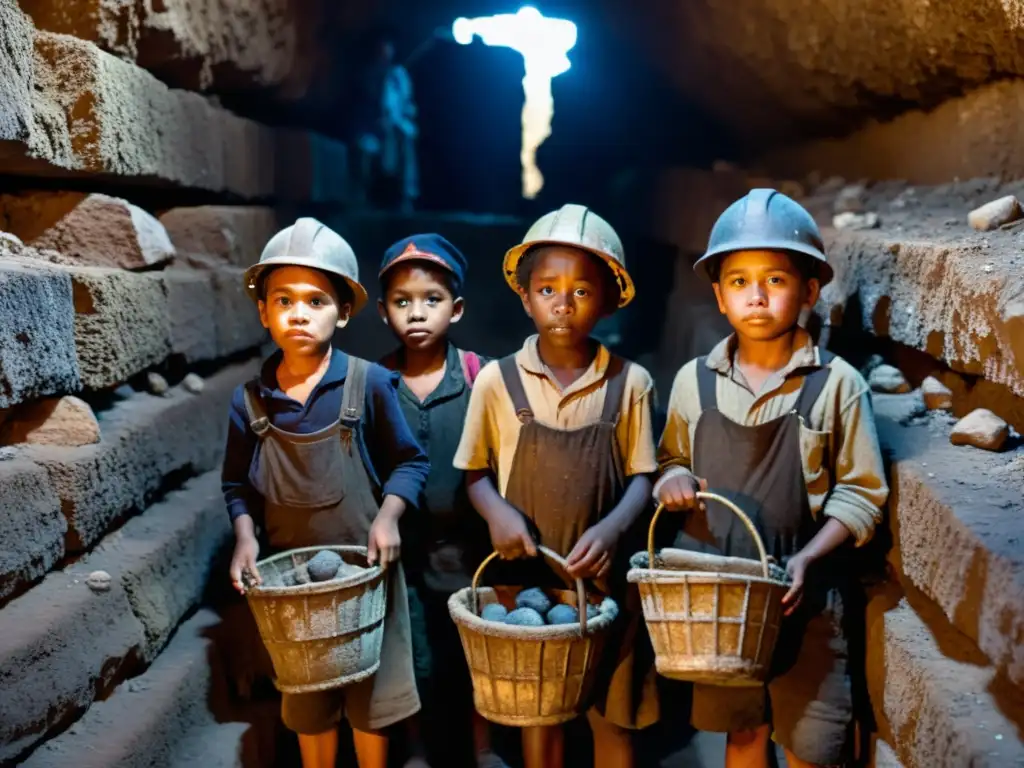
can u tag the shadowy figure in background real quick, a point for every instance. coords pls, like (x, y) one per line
(386, 130)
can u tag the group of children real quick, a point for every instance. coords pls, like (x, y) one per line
(435, 457)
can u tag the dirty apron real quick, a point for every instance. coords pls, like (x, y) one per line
(760, 468)
(564, 481)
(317, 491)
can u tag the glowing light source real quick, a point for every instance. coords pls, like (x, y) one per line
(543, 43)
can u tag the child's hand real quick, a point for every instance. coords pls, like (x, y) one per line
(796, 568)
(592, 556)
(510, 535)
(384, 541)
(679, 491)
(247, 550)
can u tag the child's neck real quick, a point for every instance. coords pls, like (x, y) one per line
(419, 362)
(298, 375)
(567, 363)
(759, 359)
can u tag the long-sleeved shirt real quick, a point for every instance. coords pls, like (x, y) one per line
(842, 461)
(394, 461)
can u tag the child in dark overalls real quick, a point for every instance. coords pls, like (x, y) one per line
(421, 279)
(318, 453)
(785, 429)
(558, 444)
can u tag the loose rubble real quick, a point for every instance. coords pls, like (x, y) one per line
(937, 396)
(855, 221)
(157, 384)
(887, 379)
(193, 383)
(995, 214)
(982, 429)
(98, 581)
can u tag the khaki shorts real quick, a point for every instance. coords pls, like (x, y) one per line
(809, 699)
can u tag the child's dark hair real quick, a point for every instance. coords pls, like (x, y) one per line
(806, 266)
(442, 274)
(528, 261)
(341, 288)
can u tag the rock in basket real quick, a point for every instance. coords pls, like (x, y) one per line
(321, 635)
(530, 675)
(711, 619)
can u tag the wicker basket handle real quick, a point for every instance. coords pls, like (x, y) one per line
(581, 593)
(732, 508)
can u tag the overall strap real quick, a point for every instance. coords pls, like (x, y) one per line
(707, 385)
(514, 386)
(258, 421)
(353, 398)
(814, 383)
(618, 371)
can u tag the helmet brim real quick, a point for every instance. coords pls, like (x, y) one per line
(627, 291)
(825, 271)
(253, 274)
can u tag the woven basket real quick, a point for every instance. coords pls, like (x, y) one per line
(711, 619)
(524, 676)
(321, 635)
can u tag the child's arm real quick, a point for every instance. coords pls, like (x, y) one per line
(477, 455)
(677, 487)
(509, 533)
(634, 437)
(241, 499)
(402, 464)
(854, 505)
(592, 555)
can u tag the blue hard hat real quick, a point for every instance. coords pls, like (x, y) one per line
(766, 220)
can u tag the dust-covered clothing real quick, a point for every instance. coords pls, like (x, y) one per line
(762, 466)
(315, 489)
(563, 459)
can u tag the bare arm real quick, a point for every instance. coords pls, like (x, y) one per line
(509, 533)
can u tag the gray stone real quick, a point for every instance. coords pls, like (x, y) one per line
(145, 439)
(98, 581)
(324, 565)
(994, 214)
(937, 396)
(494, 612)
(982, 429)
(850, 199)
(15, 72)
(37, 333)
(193, 383)
(855, 220)
(525, 617)
(156, 384)
(563, 614)
(32, 527)
(887, 379)
(534, 598)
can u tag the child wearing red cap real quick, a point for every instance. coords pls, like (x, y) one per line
(421, 280)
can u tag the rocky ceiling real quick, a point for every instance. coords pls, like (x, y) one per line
(777, 71)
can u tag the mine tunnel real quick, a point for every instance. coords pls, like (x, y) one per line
(148, 152)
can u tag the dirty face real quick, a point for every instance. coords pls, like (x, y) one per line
(301, 309)
(418, 305)
(763, 293)
(566, 296)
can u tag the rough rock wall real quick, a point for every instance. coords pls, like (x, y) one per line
(777, 70)
(124, 330)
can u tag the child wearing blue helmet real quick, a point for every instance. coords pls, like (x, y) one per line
(786, 430)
